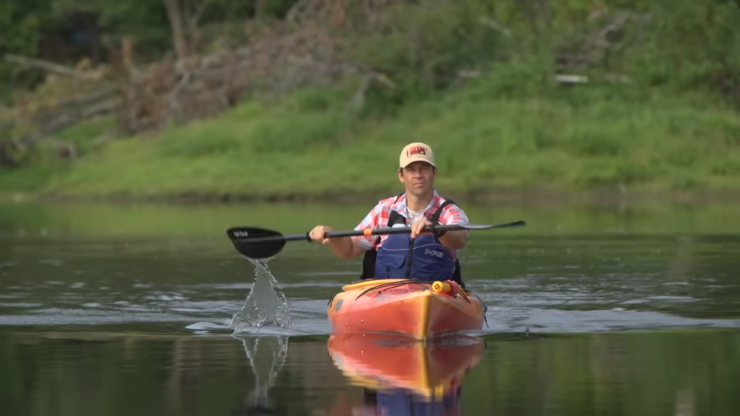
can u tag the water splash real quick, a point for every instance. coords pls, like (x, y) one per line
(266, 304)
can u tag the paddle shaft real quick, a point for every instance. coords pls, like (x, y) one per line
(379, 231)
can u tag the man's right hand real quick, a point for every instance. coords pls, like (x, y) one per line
(343, 247)
(317, 233)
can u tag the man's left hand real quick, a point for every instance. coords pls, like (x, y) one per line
(417, 228)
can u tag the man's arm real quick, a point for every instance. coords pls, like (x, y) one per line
(350, 247)
(345, 247)
(454, 240)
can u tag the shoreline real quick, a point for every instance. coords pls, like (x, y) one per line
(493, 196)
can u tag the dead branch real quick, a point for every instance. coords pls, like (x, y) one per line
(568, 79)
(62, 120)
(189, 86)
(587, 51)
(358, 98)
(50, 67)
(65, 103)
(296, 10)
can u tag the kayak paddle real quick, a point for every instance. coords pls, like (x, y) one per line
(260, 243)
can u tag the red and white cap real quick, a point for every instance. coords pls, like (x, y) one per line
(416, 152)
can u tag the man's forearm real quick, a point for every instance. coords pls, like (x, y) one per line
(454, 240)
(345, 248)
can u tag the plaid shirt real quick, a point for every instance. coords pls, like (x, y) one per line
(378, 218)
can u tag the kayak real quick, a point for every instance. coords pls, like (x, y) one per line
(389, 365)
(420, 310)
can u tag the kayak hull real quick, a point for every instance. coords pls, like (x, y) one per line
(405, 307)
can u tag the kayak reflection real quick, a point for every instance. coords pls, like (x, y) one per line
(405, 377)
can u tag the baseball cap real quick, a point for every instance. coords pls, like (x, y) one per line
(416, 152)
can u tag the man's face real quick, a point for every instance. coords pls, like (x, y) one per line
(418, 177)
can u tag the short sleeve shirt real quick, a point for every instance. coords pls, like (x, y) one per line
(379, 215)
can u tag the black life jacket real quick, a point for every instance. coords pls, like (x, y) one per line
(368, 261)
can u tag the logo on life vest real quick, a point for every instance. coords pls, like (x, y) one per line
(416, 150)
(434, 253)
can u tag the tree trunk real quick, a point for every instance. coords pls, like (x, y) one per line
(178, 26)
(259, 8)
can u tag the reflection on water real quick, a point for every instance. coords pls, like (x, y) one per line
(266, 356)
(397, 376)
(401, 377)
(643, 373)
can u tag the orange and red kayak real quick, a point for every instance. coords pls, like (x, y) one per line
(385, 363)
(421, 310)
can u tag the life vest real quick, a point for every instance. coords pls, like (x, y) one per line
(403, 402)
(429, 259)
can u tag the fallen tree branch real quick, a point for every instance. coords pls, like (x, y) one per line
(68, 119)
(55, 106)
(49, 67)
(571, 79)
(296, 10)
(91, 98)
(590, 49)
(358, 98)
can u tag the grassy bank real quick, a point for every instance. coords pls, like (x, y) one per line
(670, 124)
(310, 145)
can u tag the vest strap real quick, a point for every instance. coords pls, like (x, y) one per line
(457, 274)
(368, 260)
(437, 214)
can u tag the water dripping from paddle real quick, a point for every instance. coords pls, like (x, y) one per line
(265, 306)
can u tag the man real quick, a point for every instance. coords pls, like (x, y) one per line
(399, 401)
(417, 255)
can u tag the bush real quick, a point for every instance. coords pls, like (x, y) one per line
(629, 49)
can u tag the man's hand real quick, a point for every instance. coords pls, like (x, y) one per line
(343, 247)
(317, 234)
(453, 240)
(417, 228)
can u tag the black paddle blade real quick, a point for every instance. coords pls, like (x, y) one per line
(256, 243)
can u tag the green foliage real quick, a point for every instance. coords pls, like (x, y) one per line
(692, 46)
(474, 78)
(25, 24)
(673, 46)
(21, 24)
(422, 46)
(19, 29)
(429, 46)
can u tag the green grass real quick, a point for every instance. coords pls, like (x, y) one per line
(572, 139)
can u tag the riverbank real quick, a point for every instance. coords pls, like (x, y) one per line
(608, 103)
(501, 197)
(204, 222)
(309, 147)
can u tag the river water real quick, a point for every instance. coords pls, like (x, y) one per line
(125, 309)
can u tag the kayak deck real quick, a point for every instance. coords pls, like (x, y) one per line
(402, 306)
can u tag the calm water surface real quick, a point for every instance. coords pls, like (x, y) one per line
(126, 310)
